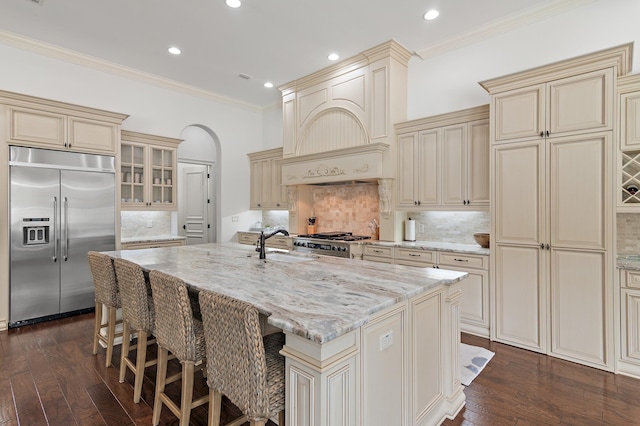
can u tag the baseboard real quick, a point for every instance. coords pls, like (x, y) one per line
(476, 330)
(4, 325)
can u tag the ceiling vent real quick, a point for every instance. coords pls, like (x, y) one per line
(245, 76)
(40, 2)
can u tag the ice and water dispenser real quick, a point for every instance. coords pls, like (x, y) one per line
(35, 231)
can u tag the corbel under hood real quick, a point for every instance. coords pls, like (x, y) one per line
(359, 163)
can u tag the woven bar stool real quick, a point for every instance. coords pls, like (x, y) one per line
(182, 335)
(106, 289)
(137, 315)
(241, 364)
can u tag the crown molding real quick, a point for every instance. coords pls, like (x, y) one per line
(55, 52)
(513, 21)
(470, 114)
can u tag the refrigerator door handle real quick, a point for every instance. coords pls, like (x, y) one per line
(55, 227)
(66, 229)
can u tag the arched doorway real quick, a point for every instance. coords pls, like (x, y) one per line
(199, 218)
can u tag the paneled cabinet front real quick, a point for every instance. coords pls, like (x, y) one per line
(267, 191)
(576, 104)
(55, 130)
(444, 166)
(148, 172)
(629, 362)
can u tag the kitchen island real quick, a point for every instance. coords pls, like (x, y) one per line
(366, 343)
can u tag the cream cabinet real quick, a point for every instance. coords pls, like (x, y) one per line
(552, 232)
(553, 207)
(153, 244)
(443, 161)
(474, 302)
(267, 191)
(281, 242)
(57, 128)
(575, 104)
(148, 172)
(629, 155)
(630, 322)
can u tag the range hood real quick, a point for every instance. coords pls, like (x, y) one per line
(357, 164)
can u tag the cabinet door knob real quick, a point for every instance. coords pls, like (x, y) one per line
(542, 246)
(548, 133)
(542, 134)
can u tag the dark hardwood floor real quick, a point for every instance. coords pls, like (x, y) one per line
(49, 376)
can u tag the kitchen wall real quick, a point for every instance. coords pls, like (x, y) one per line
(449, 226)
(346, 207)
(628, 233)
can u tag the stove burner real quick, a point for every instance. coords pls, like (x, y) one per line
(329, 243)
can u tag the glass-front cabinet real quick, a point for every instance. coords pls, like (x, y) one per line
(148, 172)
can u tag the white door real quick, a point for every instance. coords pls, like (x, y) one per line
(193, 203)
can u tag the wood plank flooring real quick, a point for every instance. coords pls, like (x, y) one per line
(48, 376)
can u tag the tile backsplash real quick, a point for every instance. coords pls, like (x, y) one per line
(346, 207)
(135, 223)
(450, 226)
(628, 233)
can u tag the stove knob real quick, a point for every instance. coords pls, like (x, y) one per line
(343, 249)
(334, 248)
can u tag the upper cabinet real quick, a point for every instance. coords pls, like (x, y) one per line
(267, 190)
(48, 124)
(443, 161)
(629, 161)
(575, 104)
(148, 172)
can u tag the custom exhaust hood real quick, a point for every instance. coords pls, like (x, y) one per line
(338, 122)
(343, 166)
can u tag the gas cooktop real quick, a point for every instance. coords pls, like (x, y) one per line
(336, 236)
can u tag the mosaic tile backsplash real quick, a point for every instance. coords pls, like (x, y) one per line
(346, 207)
(450, 226)
(628, 233)
(134, 223)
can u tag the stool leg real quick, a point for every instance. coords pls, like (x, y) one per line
(281, 417)
(96, 327)
(215, 406)
(141, 359)
(161, 378)
(126, 337)
(187, 392)
(110, 334)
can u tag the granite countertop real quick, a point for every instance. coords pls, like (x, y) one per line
(434, 245)
(628, 261)
(151, 239)
(319, 299)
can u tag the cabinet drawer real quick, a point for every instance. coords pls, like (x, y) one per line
(378, 251)
(155, 244)
(463, 260)
(247, 238)
(280, 242)
(426, 257)
(631, 279)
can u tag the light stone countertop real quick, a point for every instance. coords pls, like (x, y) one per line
(433, 245)
(319, 299)
(628, 262)
(151, 239)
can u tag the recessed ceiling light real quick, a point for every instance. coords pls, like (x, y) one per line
(431, 15)
(333, 57)
(233, 3)
(268, 85)
(174, 50)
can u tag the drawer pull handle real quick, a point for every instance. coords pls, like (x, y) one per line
(414, 255)
(377, 251)
(460, 260)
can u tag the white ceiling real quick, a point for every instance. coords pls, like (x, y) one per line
(269, 40)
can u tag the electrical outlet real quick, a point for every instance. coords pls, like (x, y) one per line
(149, 224)
(386, 340)
(234, 218)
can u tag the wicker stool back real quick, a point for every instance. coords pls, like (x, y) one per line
(241, 364)
(106, 294)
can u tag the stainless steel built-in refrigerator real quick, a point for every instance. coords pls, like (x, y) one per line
(62, 206)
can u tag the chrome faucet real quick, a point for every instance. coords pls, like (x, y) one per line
(263, 238)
